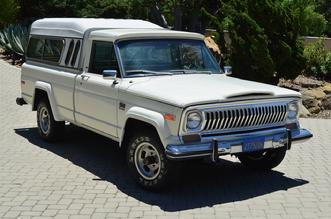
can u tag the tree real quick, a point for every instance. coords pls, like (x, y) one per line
(265, 42)
(310, 21)
(323, 7)
(105, 8)
(36, 9)
(8, 12)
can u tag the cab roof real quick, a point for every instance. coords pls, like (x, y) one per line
(107, 29)
(119, 34)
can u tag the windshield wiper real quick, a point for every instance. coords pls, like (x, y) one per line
(186, 71)
(142, 72)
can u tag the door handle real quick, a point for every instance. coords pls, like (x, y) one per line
(84, 77)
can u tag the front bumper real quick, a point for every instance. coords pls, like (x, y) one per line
(233, 143)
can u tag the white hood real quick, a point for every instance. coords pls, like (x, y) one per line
(192, 89)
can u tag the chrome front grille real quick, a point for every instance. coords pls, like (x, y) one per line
(250, 116)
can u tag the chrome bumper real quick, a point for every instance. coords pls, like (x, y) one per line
(232, 143)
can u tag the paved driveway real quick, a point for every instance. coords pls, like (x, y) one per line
(85, 176)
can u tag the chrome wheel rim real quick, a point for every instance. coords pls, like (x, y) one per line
(44, 120)
(147, 161)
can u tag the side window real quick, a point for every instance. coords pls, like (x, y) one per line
(45, 49)
(103, 57)
(53, 50)
(35, 48)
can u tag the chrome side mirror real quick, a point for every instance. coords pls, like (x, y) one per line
(228, 70)
(109, 74)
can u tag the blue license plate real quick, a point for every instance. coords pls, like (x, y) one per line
(255, 144)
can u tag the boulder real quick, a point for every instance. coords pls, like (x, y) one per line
(326, 103)
(314, 110)
(211, 44)
(288, 84)
(313, 93)
(326, 89)
(309, 102)
(303, 112)
(307, 82)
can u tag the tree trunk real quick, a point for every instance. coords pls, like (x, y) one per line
(178, 21)
(157, 17)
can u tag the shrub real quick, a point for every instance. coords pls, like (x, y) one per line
(326, 66)
(318, 60)
(14, 40)
(8, 12)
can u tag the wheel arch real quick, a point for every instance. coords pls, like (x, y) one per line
(43, 89)
(138, 117)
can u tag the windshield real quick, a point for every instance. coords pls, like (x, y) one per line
(166, 56)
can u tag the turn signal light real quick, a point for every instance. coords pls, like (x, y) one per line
(169, 117)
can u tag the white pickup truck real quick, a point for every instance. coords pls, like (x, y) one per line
(159, 93)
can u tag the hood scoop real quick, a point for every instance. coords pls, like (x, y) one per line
(248, 95)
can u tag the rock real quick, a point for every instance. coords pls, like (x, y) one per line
(326, 89)
(326, 103)
(288, 84)
(314, 93)
(307, 82)
(309, 102)
(303, 112)
(211, 44)
(314, 109)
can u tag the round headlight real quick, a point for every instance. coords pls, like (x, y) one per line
(293, 109)
(193, 120)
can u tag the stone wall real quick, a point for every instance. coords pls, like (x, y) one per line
(309, 40)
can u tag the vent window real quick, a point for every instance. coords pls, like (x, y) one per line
(69, 53)
(74, 56)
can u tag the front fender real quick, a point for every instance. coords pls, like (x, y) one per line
(47, 87)
(153, 118)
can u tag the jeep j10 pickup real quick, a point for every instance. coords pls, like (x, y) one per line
(159, 93)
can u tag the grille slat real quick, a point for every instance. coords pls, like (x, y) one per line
(245, 117)
(255, 117)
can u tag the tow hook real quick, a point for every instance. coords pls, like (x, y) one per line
(20, 101)
(214, 155)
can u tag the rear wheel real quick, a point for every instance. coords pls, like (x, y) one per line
(263, 160)
(48, 128)
(147, 161)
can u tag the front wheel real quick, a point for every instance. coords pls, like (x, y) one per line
(263, 160)
(147, 161)
(48, 128)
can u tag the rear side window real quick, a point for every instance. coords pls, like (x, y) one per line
(45, 49)
(103, 57)
(53, 50)
(35, 48)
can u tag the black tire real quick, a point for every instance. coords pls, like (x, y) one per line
(266, 160)
(158, 178)
(54, 129)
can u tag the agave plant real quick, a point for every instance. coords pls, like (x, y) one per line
(14, 39)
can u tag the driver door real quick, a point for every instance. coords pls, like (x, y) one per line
(96, 99)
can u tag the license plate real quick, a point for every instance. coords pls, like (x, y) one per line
(253, 145)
